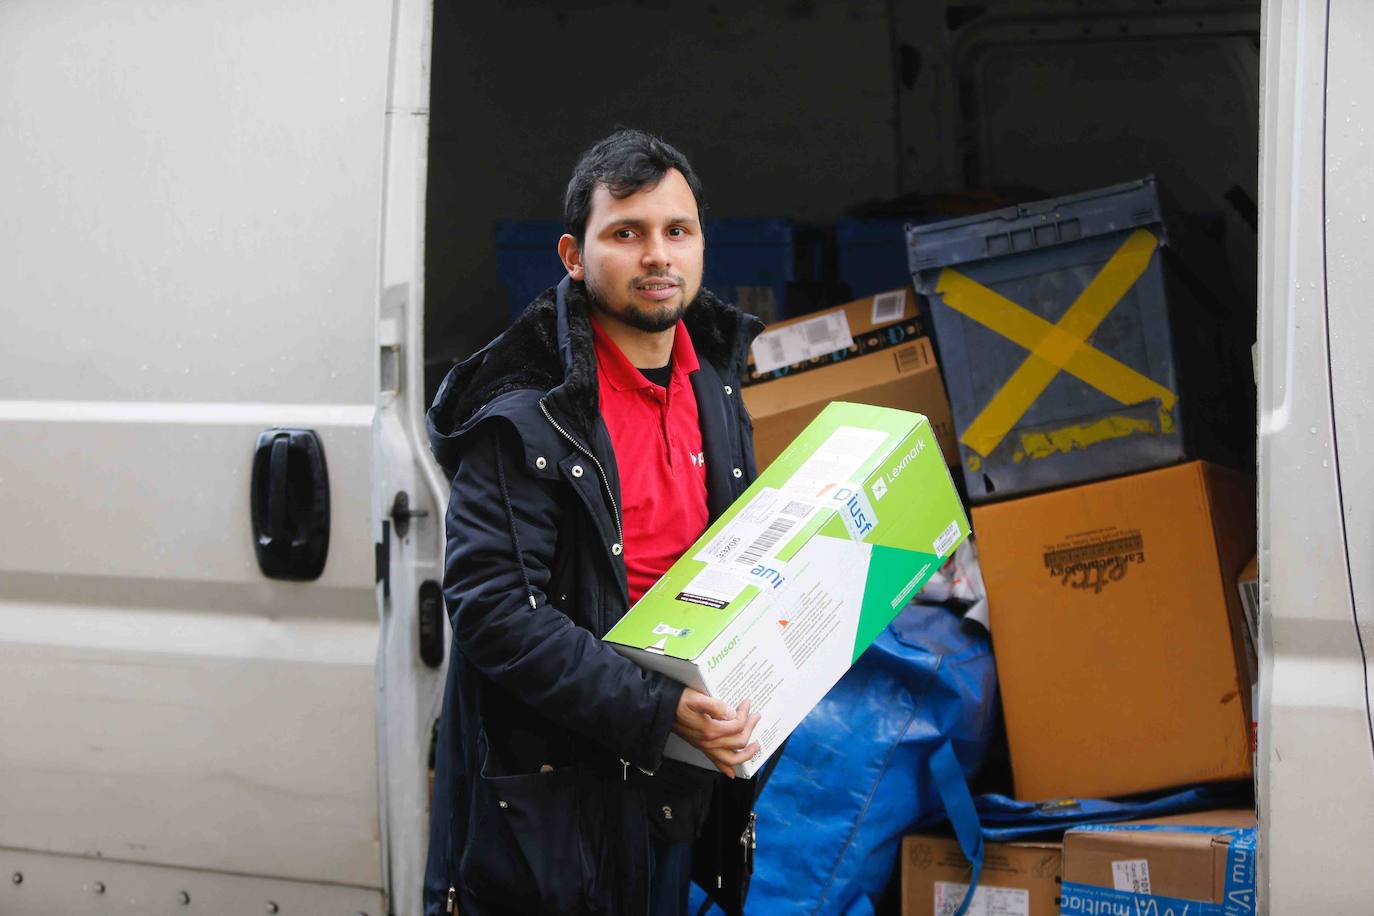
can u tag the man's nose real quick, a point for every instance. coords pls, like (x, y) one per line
(655, 252)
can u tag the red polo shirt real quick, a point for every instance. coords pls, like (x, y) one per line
(656, 435)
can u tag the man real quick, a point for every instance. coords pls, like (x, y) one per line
(589, 446)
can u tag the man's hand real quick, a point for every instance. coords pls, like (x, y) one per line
(718, 731)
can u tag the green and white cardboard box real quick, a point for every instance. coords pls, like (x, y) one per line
(782, 594)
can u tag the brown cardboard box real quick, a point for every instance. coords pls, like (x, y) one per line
(1184, 866)
(1117, 629)
(1021, 878)
(904, 376)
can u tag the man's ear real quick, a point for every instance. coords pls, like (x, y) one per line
(571, 256)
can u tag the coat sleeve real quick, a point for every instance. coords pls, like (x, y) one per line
(502, 528)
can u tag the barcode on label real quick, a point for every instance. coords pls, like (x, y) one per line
(817, 333)
(766, 541)
(947, 539)
(888, 307)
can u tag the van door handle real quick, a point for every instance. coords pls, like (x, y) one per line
(289, 500)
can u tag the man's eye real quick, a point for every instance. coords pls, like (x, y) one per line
(677, 232)
(625, 234)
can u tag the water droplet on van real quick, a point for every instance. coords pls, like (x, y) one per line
(1324, 462)
(1312, 430)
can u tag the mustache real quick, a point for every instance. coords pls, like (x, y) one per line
(658, 275)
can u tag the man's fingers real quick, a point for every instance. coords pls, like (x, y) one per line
(730, 734)
(710, 706)
(749, 727)
(725, 734)
(726, 761)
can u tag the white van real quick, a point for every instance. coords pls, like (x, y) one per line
(221, 639)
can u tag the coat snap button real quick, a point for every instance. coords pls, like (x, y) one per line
(615, 549)
(667, 813)
(540, 463)
(503, 804)
(738, 472)
(577, 470)
(729, 390)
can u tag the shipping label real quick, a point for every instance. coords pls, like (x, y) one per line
(1132, 875)
(801, 341)
(987, 900)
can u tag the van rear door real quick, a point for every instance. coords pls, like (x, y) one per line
(1315, 769)
(193, 254)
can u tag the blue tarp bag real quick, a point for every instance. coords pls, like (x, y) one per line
(889, 748)
(1005, 819)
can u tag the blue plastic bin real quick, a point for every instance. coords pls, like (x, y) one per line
(749, 262)
(527, 259)
(870, 255)
(1053, 323)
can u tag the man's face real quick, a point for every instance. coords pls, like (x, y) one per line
(642, 255)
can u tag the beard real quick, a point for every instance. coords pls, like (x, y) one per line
(653, 320)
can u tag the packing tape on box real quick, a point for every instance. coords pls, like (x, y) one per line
(1238, 895)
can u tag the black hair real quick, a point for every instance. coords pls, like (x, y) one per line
(624, 162)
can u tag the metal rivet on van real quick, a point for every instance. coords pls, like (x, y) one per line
(577, 470)
(729, 390)
(185, 898)
(540, 463)
(272, 907)
(17, 878)
(98, 887)
(738, 472)
(503, 804)
(615, 549)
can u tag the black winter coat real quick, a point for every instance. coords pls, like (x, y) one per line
(542, 800)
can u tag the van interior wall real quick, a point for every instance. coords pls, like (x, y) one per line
(815, 110)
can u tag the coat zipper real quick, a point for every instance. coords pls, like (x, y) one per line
(601, 472)
(749, 840)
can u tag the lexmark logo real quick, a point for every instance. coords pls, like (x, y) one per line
(906, 460)
(720, 656)
(879, 489)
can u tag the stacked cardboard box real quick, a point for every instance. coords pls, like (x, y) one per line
(1017, 878)
(1194, 863)
(1118, 631)
(870, 351)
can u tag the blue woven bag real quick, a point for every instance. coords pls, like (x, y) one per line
(889, 747)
